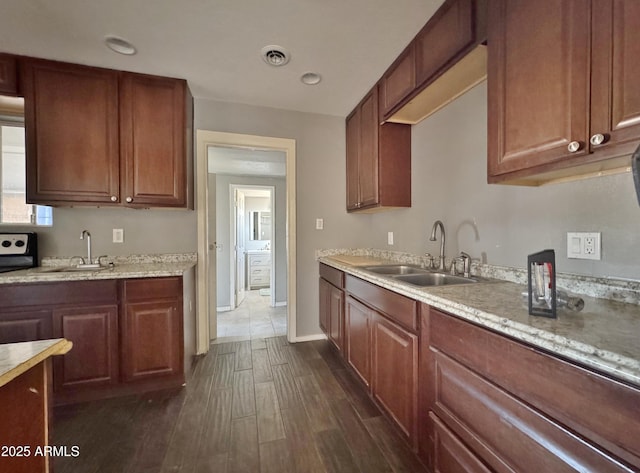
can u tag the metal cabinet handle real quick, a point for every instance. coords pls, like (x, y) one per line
(114, 198)
(597, 139)
(129, 200)
(573, 146)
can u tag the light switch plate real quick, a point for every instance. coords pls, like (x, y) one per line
(584, 245)
(390, 238)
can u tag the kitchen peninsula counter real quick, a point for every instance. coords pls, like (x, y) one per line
(605, 335)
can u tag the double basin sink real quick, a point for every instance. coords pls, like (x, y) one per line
(418, 276)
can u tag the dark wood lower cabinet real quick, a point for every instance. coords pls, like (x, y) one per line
(24, 326)
(395, 373)
(152, 340)
(128, 335)
(517, 408)
(93, 361)
(450, 454)
(358, 338)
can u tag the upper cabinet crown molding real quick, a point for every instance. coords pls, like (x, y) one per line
(103, 137)
(564, 100)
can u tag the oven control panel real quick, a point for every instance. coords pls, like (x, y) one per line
(14, 243)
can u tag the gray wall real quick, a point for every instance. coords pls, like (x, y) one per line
(146, 231)
(223, 219)
(449, 183)
(320, 179)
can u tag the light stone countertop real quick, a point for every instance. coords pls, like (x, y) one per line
(605, 335)
(17, 358)
(141, 266)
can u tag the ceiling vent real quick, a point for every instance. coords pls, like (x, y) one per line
(275, 55)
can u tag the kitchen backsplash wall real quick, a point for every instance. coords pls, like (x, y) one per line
(501, 224)
(146, 231)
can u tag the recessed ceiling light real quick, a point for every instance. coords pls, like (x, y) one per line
(311, 78)
(119, 45)
(275, 55)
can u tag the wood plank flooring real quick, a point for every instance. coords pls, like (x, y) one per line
(252, 406)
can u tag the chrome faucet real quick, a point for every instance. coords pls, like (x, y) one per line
(437, 224)
(82, 235)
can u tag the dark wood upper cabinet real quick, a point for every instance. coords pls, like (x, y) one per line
(378, 159)
(97, 136)
(399, 80)
(152, 140)
(8, 75)
(563, 96)
(442, 62)
(447, 35)
(71, 126)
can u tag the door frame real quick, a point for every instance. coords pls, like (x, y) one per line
(204, 139)
(232, 210)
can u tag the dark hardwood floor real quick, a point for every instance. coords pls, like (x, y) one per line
(257, 406)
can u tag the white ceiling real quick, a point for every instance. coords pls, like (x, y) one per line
(215, 44)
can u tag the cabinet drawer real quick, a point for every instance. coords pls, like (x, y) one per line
(152, 288)
(58, 293)
(333, 275)
(594, 406)
(24, 326)
(450, 454)
(399, 308)
(257, 280)
(260, 271)
(259, 260)
(506, 433)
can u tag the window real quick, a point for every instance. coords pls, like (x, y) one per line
(13, 206)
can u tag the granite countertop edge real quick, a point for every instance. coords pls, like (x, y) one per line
(119, 271)
(606, 361)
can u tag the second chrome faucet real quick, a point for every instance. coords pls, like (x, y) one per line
(437, 224)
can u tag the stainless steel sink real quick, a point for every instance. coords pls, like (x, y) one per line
(434, 279)
(396, 269)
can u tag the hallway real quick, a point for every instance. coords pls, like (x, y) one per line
(253, 319)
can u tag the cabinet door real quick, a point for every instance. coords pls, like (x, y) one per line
(325, 305)
(93, 360)
(538, 86)
(398, 81)
(395, 373)
(8, 75)
(152, 340)
(25, 326)
(353, 151)
(152, 134)
(444, 38)
(336, 315)
(615, 91)
(368, 156)
(358, 338)
(71, 126)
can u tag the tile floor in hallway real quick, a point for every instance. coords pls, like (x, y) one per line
(253, 319)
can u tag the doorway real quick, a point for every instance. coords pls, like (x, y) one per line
(208, 246)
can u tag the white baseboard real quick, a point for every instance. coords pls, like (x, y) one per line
(281, 304)
(310, 338)
(225, 308)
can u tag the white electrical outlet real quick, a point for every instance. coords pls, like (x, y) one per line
(319, 224)
(390, 238)
(118, 235)
(583, 245)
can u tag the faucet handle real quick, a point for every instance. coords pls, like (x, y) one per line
(467, 263)
(429, 260)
